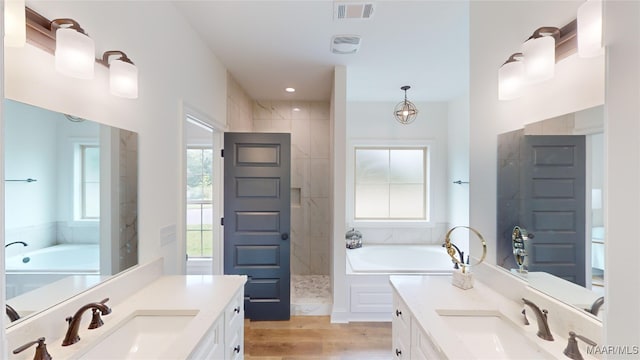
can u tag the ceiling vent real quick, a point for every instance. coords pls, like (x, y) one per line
(353, 10)
(345, 44)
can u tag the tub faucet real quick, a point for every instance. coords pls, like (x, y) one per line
(460, 254)
(595, 307)
(541, 317)
(16, 242)
(12, 313)
(74, 322)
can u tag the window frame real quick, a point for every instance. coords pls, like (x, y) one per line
(429, 147)
(201, 202)
(78, 178)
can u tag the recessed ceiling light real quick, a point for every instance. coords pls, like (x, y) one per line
(290, 89)
(296, 109)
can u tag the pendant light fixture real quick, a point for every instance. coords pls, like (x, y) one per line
(590, 29)
(405, 112)
(123, 75)
(539, 53)
(75, 50)
(511, 78)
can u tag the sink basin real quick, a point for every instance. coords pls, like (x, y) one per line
(490, 335)
(143, 335)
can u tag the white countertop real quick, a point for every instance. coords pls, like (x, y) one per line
(52, 294)
(425, 295)
(208, 295)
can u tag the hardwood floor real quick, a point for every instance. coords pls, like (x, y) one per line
(315, 338)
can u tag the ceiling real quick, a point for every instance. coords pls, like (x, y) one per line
(270, 45)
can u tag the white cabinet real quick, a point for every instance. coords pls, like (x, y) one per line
(401, 329)
(410, 342)
(225, 338)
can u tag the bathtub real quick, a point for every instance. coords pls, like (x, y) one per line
(33, 269)
(399, 259)
(64, 258)
(369, 269)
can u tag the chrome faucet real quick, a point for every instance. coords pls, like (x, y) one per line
(541, 317)
(595, 307)
(12, 313)
(74, 322)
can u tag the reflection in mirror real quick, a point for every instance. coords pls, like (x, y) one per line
(550, 184)
(70, 205)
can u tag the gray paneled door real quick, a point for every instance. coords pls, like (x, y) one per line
(257, 208)
(554, 204)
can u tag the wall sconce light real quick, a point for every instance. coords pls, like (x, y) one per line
(405, 112)
(539, 53)
(590, 29)
(15, 32)
(123, 75)
(511, 78)
(75, 50)
(74, 53)
(549, 45)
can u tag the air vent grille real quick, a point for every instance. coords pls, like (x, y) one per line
(353, 10)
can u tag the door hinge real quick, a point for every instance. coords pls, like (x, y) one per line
(221, 152)
(222, 221)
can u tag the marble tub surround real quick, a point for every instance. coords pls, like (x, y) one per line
(427, 297)
(310, 181)
(407, 234)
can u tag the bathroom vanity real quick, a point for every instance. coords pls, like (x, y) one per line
(152, 316)
(432, 319)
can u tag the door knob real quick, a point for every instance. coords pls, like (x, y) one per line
(284, 236)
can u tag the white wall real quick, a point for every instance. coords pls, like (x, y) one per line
(371, 122)
(338, 136)
(497, 30)
(30, 154)
(622, 201)
(458, 165)
(174, 64)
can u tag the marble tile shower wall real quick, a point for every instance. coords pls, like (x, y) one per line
(310, 212)
(239, 107)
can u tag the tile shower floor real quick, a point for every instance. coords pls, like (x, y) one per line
(310, 295)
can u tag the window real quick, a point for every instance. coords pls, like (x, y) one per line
(199, 202)
(390, 183)
(89, 182)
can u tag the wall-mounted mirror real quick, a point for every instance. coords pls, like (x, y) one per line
(550, 184)
(71, 190)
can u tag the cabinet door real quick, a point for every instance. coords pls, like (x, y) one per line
(234, 327)
(401, 329)
(422, 348)
(211, 347)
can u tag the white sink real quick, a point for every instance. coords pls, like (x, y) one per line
(146, 334)
(490, 335)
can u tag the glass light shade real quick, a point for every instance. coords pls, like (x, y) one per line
(15, 30)
(590, 29)
(539, 58)
(511, 80)
(123, 79)
(75, 54)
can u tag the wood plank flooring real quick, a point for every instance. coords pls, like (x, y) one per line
(315, 338)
